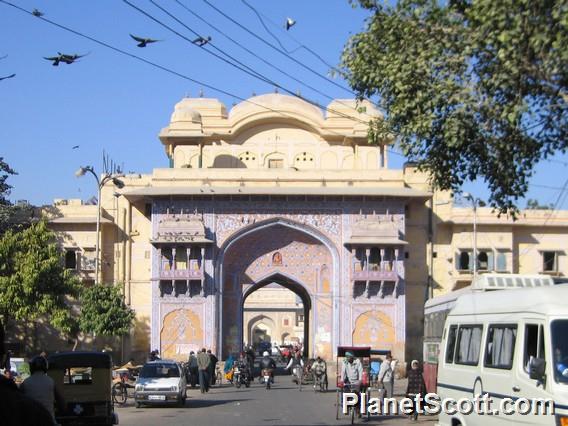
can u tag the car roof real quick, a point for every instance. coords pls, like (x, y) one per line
(162, 361)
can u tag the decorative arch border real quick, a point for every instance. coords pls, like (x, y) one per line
(263, 225)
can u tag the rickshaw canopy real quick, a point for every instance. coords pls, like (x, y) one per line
(63, 360)
(357, 351)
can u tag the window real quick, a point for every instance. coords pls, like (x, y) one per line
(469, 344)
(501, 264)
(500, 346)
(276, 164)
(464, 261)
(88, 260)
(485, 260)
(534, 344)
(78, 376)
(70, 259)
(549, 261)
(451, 346)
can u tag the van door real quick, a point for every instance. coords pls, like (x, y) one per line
(497, 376)
(534, 338)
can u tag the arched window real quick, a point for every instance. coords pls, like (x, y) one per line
(464, 261)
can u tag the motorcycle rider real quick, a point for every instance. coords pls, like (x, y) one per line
(319, 367)
(268, 363)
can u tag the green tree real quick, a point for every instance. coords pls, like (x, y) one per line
(33, 280)
(11, 216)
(533, 204)
(470, 88)
(103, 312)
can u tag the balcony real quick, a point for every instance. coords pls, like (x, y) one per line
(168, 271)
(384, 271)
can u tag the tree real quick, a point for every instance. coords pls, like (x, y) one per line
(11, 216)
(470, 88)
(103, 311)
(33, 280)
(533, 204)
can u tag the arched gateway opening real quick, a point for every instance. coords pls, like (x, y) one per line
(270, 254)
(276, 314)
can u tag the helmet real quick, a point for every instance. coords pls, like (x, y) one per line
(38, 363)
(265, 353)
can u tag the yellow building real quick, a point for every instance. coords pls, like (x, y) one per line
(276, 191)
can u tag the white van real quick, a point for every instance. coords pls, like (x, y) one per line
(510, 343)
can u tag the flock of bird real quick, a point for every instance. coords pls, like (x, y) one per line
(141, 42)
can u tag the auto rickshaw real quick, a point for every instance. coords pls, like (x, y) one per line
(84, 380)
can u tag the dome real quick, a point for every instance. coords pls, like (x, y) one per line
(276, 105)
(184, 112)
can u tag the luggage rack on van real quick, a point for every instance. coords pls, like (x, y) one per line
(486, 282)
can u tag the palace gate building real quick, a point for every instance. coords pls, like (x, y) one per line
(274, 191)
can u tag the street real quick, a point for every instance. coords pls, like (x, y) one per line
(283, 404)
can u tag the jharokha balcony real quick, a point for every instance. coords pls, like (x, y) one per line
(175, 271)
(382, 271)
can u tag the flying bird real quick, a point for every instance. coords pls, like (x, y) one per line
(143, 42)
(200, 41)
(37, 13)
(62, 57)
(289, 23)
(8, 76)
(75, 147)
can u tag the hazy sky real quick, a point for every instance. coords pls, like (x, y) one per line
(108, 101)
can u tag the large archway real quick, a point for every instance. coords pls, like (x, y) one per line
(284, 253)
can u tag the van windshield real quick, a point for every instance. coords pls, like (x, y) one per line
(154, 371)
(559, 331)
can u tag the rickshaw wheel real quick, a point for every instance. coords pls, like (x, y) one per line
(119, 393)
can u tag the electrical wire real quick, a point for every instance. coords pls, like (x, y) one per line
(251, 73)
(270, 64)
(282, 52)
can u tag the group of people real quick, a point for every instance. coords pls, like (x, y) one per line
(352, 375)
(201, 369)
(33, 402)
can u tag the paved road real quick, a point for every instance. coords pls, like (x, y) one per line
(284, 404)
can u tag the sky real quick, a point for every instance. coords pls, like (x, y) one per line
(107, 101)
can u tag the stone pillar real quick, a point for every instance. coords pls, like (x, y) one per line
(201, 269)
(173, 259)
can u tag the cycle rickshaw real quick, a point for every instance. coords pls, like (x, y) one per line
(364, 355)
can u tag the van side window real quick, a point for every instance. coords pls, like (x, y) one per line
(469, 344)
(534, 344)
(500, 346)
(451, 346)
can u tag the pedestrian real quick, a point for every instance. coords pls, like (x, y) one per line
(40, 387)
(212, 366)
(416, 386)
(192, 369)
(203, 365)
(386, 376)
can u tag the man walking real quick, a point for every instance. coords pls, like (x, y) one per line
(212, 366)
(192, 369)
(386, 376)
(203, 365)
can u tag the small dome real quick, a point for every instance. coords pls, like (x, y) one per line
(184, 112)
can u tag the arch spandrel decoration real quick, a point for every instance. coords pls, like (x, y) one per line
(181, 333)
(375, 329)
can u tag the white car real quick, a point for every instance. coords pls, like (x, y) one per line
(161, 382)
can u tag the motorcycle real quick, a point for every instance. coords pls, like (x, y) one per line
(267, 377)
(241, 376)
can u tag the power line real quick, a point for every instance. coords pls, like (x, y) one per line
(278, 49)
(301, 45)
(243, 67)
(251, 73)
(260, 57)
(153, 64)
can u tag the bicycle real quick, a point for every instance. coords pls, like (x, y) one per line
(120, 389)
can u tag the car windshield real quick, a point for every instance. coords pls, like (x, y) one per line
(159, 370)
(559, 331)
